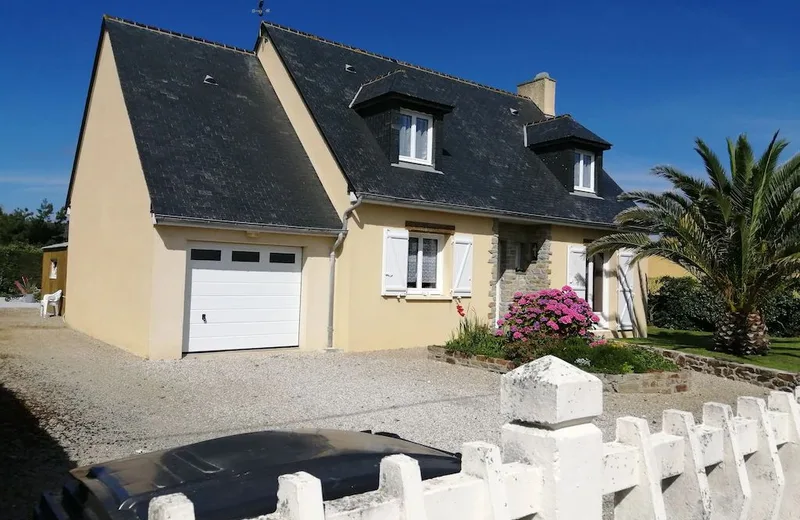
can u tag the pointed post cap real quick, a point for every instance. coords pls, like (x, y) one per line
(550, 392)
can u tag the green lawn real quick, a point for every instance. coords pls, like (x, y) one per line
(784, 354)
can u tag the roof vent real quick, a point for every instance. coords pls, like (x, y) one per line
(209, 80)
(514, 111)
(349, 68)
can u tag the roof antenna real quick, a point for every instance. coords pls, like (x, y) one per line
(260, 11)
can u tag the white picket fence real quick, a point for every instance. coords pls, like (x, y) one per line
(555, 466)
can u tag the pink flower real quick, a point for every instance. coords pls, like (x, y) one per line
(553, 325)
(566, 320)
(500, 322)
(566, 288)
(517, 294)
(498, 332)
(582, 332)
(517, 335)
(507, 316)
(597, 343)
(594, 318)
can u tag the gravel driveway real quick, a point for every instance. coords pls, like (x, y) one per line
(94, 402)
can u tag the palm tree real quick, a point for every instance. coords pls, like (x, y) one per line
(737, 231)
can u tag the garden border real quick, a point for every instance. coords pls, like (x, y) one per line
(753, 374)
(649, 383)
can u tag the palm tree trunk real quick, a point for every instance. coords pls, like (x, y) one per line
(742, 333)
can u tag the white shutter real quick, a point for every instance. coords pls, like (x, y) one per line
(462, 265)
(576, 269)
(625, 290)
(395, 261)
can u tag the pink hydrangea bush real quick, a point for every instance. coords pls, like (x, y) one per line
(550, 312)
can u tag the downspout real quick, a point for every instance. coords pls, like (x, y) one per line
(332, 277)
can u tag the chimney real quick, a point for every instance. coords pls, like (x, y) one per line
(542, 91)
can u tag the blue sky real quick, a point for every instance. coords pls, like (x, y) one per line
(647, 76)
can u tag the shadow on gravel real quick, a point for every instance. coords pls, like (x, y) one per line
(30, 460)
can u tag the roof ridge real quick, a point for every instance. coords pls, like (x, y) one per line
(177, 34)
(547, 120)
(383, 76)
(393, 60)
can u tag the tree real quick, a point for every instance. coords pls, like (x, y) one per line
(41, 228)
(737, 231)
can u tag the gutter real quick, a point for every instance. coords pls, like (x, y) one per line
(173, 220)
(332, 276)
(470, 210)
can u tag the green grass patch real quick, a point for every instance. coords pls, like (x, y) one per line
(784, 353)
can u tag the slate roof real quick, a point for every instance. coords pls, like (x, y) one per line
(485, 166)
(222, 153)
(399, 82)
(563, 128)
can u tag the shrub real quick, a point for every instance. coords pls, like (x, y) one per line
(686, 304)
(475, 337)
(683, 303)
(782, 314)
(551, 312)
(16, 261)
(605, 359)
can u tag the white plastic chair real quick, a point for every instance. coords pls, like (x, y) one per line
(48, 300)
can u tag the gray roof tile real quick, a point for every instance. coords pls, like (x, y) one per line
(224, 152)
(485, 167)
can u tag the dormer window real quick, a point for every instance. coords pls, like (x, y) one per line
(584, 171)
(416, 137)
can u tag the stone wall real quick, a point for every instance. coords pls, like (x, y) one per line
(652, 383)
(530, 244)
(766, 377)
(459, 358)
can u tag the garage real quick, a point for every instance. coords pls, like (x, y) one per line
(243, 297)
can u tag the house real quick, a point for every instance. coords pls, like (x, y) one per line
(658, 267)
(54, 271)
(314, 195)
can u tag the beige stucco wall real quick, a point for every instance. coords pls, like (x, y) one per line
(110, 232)
(658, 267)
(562, 237)
(328, 171)
(365, 320)
(169, 283)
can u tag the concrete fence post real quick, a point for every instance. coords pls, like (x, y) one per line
(789, 453)
(550, 405)
(300, 497)
(171, 507)
(731, 493)
(400, 479)
(644, 501)
(483, 461)
(688, 495)
(763, 465)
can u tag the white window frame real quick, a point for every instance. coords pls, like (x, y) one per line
(439, 263)
(413, 145)
(581, 153)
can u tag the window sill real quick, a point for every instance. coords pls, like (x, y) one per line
(587, 194)
(428, 297)
(417, 167)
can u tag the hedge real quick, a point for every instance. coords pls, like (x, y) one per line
(16, 261)
(684, 303)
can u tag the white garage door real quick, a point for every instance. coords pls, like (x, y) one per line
(243, 297)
